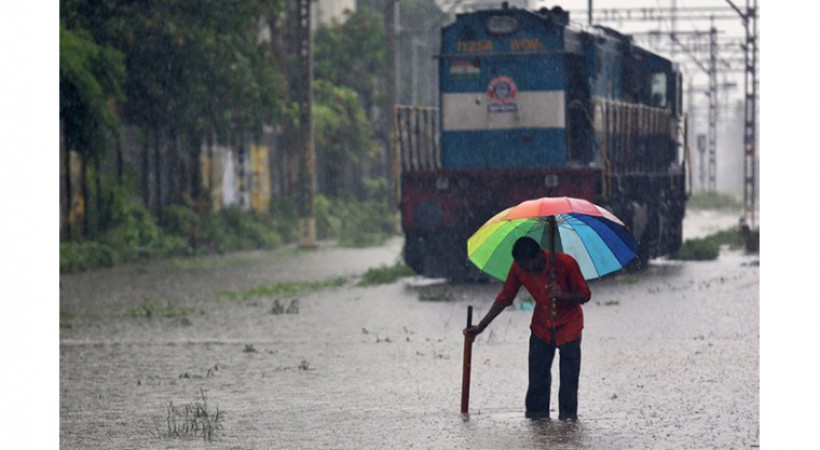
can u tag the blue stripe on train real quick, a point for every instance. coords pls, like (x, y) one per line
(504, 149)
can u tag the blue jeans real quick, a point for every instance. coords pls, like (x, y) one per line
(540, 362)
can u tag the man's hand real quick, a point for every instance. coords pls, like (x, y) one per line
(473, 331)
(554, 291)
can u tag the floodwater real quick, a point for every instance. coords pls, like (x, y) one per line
(670, 357)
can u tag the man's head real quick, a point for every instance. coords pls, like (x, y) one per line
(527, 253)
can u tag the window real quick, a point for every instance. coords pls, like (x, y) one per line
(657, 90)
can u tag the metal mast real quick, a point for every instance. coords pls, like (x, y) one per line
(307, 156)
(750, 113)
(713, 110)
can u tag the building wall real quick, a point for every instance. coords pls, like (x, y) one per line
(325, 10)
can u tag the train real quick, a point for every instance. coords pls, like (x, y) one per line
(533, 106)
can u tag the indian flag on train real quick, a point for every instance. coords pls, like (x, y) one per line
(463, 68)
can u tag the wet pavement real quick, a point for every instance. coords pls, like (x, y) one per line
(670, 356)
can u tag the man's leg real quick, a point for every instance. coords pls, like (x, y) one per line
(570, 367)
(538, 392)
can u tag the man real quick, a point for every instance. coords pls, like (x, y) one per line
(562, 330)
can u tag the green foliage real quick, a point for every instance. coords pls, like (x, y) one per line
(284, 213)
(135, 234)
(327, 224)
(707, 200)
(354, 54)
(191, 65)
(247, 230)
(282, 289)
(149, 308)
(90, 74)
(697, 250)
(385, 274)
(78, 256)
(367, 222)
(343, 140)
(708, 248)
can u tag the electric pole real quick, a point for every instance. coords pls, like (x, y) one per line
(307, 156)
(391, 22)
(713, 100)
(750, 113)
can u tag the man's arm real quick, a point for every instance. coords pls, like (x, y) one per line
(494, 311)
(580, 293)
(504, 299)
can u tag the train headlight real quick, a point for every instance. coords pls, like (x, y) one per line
(502, 24)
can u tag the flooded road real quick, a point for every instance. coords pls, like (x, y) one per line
(670, 356)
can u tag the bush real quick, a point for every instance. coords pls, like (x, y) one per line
(367, 222)
(78, 256)
(246, 230)
(697, 250)
(708, 200)
(708, 248)
(328, 225)
(284, 213)
(386, 274)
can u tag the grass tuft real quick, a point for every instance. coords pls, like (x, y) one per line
(707, 200)
(193, 419)
(149, 308)
(385, 274)
(708, 248)
(287, 289)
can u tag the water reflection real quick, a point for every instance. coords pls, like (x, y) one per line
(551, 433)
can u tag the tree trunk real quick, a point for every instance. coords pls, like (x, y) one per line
(119, 160)
(210, 170)
(68, 192)
(174, 187)
(194, 149)
(100, 223)
(145, 171)
(84, 191)
(240, 153)
(157, 170)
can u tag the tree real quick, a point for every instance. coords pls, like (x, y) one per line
(196, 69)
(90, 77)
(344, 146)
(353, 54)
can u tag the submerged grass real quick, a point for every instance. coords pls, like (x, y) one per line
(385, 274)
(193, 419)
(210, 262)
(708, 248)
(281, 289)
(711, 200)
(150, 308)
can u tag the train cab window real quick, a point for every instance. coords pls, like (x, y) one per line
(657, 90)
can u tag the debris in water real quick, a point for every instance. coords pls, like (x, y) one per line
(278, 308)
(293, 308)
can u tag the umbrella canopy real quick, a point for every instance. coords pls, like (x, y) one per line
(597, 239)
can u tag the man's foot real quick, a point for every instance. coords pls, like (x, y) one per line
(567, 418)
(535, 415)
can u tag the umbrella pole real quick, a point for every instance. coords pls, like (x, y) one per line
(465, 379)
(552, 232)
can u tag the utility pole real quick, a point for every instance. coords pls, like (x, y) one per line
(750, 113)
(391, 21)
(307, 155)
(713, 99)
(589, 12)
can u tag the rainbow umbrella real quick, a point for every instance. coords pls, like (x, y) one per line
(598, 240)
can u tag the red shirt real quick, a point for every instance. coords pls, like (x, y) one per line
(569, 320)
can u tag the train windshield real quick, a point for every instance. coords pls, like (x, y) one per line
(657, 89)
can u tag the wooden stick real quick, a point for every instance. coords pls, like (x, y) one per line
(465, 379)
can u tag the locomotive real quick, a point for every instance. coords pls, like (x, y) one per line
(530, 106)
